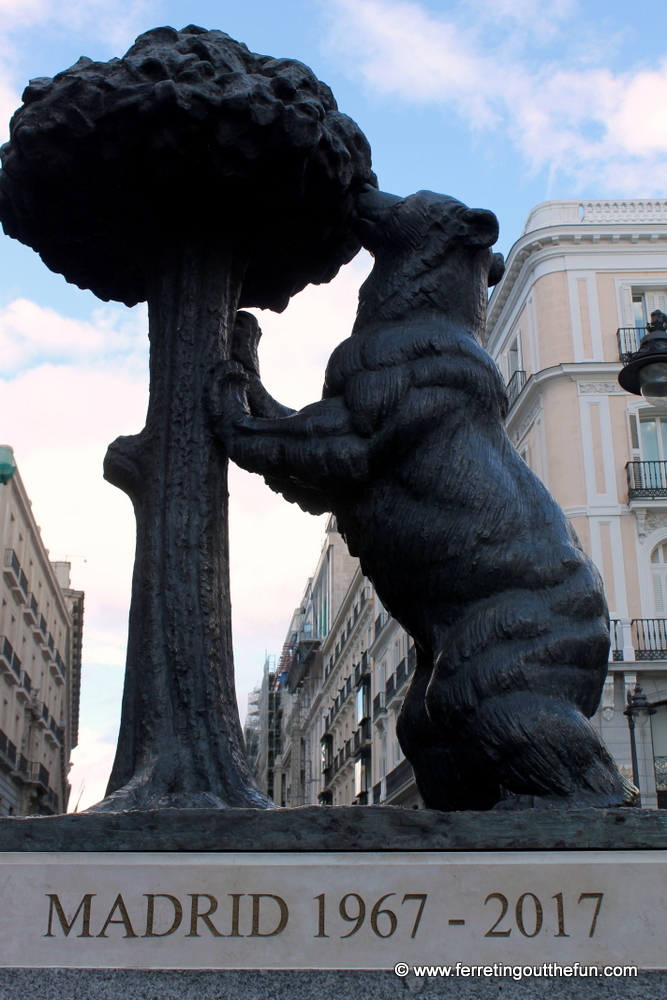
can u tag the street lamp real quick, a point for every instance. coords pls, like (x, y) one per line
(639, 708)
(646, 372)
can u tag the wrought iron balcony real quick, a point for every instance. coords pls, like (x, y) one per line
(399, 778)
(57, 667)
(401, 674)
(380, 622)
(515, 386)
(650, 635)
(32, 772)
(361, 669)
(9, 661)
(24, 688)
(15, 577)
(51, 801)
(56, 730)
(7, 751)
(379, 707)
(31, 612)
(628, 338)
(616, 636)
(647, 480)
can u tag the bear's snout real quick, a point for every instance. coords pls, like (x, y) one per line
(372, 204)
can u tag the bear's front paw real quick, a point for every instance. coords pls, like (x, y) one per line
(227, 390)
(245, 341)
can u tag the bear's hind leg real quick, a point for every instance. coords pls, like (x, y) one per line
(442, 771)
(545, 749)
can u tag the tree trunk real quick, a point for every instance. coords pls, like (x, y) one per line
(180, 741)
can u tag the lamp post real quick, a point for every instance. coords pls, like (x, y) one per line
(646, 372)
(639, 709)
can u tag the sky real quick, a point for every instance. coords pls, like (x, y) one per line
(500, 103)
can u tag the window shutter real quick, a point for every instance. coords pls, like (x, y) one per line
(659, 593)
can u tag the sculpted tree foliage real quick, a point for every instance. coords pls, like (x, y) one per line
(199, 176)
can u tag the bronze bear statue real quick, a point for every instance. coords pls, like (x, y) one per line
(464, 545)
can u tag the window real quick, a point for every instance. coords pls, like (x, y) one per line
(639, 311)
(644, 303)
(362, 775)
(659, 574)
(513, 358)
(363, 701)
(326, 751)
(653, 438)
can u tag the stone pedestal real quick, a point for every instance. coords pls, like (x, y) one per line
(321, 901)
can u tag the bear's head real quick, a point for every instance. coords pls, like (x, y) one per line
(432, 254)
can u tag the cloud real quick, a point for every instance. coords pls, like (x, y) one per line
(92, 761)
(31, 334)
(110, 22)
(564, 115)
(100, 23)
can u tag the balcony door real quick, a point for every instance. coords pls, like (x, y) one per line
(644, 303)
(659, 574)
(653, 436)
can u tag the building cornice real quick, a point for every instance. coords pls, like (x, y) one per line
(600, 229)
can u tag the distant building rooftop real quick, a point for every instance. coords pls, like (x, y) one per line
(558, 213)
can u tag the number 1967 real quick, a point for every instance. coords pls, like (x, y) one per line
(383, 920)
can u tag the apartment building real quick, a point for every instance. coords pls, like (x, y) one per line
(328, 707)
(41, 620)
(578, 290)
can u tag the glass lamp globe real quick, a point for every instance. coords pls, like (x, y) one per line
(653, 383)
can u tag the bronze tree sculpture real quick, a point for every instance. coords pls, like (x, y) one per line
(465, 546)
(199, 176)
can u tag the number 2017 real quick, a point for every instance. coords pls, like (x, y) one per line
(522, 920)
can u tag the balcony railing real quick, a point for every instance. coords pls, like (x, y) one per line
(515, 386)
(628, 341)
(51, 800)
(378, 705)
(55, 729)
(616, 636)
(377, 793)
(7, 750)
(24, 688)
(400, 777)
(15, 576)
(10, 660)
(31, 612)
(647, 480)
(401, 674)
(380, 622)
(650, 635)
(390, 687)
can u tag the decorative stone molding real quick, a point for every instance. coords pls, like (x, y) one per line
(623, 211)
(530, 417)
(649, 521)
(608, 698)
(599, 389)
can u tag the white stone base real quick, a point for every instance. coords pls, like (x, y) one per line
(334, 911)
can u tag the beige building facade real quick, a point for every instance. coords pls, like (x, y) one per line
(41, 621)
(578, 290)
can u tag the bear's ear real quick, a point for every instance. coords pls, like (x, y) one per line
(480, 227)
